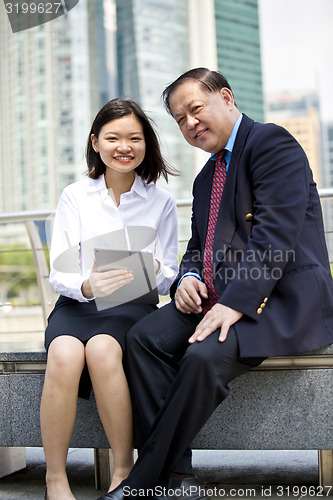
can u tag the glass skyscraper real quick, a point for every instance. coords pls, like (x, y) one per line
(157, 40)
(238, 52)
(56, 76)
(152, 50)
(53, 80)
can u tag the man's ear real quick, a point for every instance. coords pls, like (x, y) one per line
(227, 96)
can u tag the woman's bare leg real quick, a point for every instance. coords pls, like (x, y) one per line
(58, 411)
(104, 360)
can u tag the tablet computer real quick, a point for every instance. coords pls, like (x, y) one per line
(142, 289)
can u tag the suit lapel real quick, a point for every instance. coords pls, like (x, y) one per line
(226, 221)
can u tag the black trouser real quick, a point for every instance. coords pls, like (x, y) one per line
(175, 387)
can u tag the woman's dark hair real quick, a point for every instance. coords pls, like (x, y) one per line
(211, 81)
(153, 164)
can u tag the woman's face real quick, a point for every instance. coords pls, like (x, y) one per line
(121, 144)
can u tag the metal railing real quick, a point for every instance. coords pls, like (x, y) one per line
(29, 218)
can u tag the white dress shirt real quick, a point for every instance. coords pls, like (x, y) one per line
(87, 217)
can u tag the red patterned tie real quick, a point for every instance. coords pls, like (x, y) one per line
(215, 200)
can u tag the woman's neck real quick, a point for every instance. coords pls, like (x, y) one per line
(118, 183)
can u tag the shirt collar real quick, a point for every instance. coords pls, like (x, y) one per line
(231, 141)
(96, 184)
(139, 186)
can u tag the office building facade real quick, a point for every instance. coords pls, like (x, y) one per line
(238, 52)
(299, 113)
(158, 40)
(152, 50)
(56, 76)
(53, 81)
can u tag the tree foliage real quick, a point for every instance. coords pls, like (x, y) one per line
(17, 273)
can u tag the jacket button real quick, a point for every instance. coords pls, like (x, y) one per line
(262, 305)
(265, 299)
(259, 310)
(249, 216)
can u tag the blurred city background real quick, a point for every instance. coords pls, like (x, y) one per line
(56, 76)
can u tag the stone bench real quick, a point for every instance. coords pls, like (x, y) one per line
(285, 404)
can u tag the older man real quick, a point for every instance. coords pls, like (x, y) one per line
(254, 282)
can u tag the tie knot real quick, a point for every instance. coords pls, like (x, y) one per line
(220, 155)
(220, 161)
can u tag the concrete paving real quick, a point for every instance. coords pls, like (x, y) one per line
(233, 474)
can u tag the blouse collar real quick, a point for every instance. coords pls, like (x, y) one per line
(139, 186)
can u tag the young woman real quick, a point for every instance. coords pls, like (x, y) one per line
(118, 206)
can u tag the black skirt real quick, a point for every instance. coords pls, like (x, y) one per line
(83, 320)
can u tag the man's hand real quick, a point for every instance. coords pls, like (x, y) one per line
(219, 316)
(189, 295)
(103, 283)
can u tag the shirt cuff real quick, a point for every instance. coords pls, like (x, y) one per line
(196, 275)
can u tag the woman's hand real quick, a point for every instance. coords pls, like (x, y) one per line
(103, 283)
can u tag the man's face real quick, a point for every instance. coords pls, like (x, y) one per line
(206, 119)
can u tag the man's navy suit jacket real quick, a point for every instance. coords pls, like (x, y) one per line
(270, 256)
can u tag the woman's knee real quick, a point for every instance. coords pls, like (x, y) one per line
(65, 357)
(103, 352)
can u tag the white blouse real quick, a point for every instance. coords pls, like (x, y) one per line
(87, 217)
